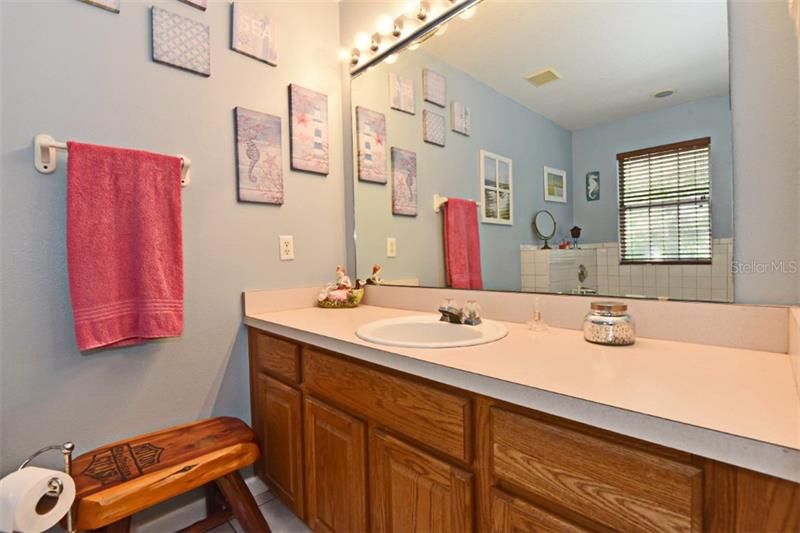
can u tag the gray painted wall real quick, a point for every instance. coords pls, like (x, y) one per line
(766, 141)
(499, 125)
(596, 148)
(78, 72)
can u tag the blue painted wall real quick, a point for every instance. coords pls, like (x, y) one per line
(499, 125)
(596, 148)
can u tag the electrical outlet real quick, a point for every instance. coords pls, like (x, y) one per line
(286, 247)
(391, 247)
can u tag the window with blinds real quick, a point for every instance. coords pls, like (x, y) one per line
(665, 203)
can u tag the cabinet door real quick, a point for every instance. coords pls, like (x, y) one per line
(512, 515)
(335, 469)
(414, 491)
(280, 432)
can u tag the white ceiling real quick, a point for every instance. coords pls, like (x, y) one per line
(613, 55)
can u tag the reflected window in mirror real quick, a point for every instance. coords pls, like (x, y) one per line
(496, 189)
(665, 203)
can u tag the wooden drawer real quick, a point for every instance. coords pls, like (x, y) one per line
(276, 357)
(512, 515)
(621, 487)
(430, 416)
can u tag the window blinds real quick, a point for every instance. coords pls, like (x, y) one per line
(665, 203)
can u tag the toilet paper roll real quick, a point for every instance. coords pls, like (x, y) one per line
(24, 503)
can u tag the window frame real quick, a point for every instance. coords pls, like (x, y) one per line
(485, 219)
(701, 142)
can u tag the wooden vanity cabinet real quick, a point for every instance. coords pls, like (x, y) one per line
(351, 447)
(336, 476)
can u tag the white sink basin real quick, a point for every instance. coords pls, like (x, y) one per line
(426, 331)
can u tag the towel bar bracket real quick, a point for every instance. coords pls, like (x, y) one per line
(45, 157)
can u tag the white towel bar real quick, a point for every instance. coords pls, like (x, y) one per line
(439, 201)
(46, 161)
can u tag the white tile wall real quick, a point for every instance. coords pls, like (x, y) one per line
(557, 271)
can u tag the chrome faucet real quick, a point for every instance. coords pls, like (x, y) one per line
(453, 314)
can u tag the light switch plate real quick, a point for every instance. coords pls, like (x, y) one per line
(391, 247)
(286, 247)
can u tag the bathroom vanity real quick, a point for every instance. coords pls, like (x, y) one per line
(359, 437)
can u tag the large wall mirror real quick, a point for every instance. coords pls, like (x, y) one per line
(612, 118)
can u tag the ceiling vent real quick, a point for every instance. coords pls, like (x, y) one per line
(543, 77)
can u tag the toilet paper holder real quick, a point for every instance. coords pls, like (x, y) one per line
(54, 485)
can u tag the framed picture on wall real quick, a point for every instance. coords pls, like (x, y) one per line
(371, 137)
(259, 167)
(497, 189)
(433, 127)
(308, 130)
(401, 94)
(555, 185)
(181, 42)
(404, 182)
(592, 186)
(253, 33)
(434, 87)
(108, 5)
(461, 118)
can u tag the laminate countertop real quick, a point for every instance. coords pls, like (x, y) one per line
(737, 406)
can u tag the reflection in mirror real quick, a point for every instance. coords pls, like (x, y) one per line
(544, 226)
(612, 117)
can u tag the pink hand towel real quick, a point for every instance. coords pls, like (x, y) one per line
(462, 244)
(124, 245)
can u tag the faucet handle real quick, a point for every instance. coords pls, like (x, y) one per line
(472, 313)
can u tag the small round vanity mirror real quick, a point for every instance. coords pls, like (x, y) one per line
(544, 226)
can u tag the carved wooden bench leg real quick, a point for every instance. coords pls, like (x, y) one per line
(241, 502)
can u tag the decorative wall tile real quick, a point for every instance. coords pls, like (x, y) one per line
(433, 128)
(253, 33)
(259, 157)
(181, 42)
(308, 124)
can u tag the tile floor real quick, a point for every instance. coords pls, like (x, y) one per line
(279, 518)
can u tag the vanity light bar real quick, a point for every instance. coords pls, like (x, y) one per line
(426, 27)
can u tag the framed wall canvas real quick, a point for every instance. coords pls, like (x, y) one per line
(401, 94)
(592, 186)
(259, 168)
(199, 4)
(497, 189)
(433, 127)
(181, 42)
(371, 136)
(308, 130)
(108, 5)
(434, 87)
(460, 118)
(253, 33)
(404, 182)
(555, 185)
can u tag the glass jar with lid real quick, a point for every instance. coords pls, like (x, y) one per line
(609, 323)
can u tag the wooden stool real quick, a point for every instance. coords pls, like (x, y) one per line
(114, 482)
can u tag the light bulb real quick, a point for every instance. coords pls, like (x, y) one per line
(362, 41)
(414, 45)
(391, 59)
(384, 25)
(375, 42)
(469, 13)
(410, 8)
(344, 55)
